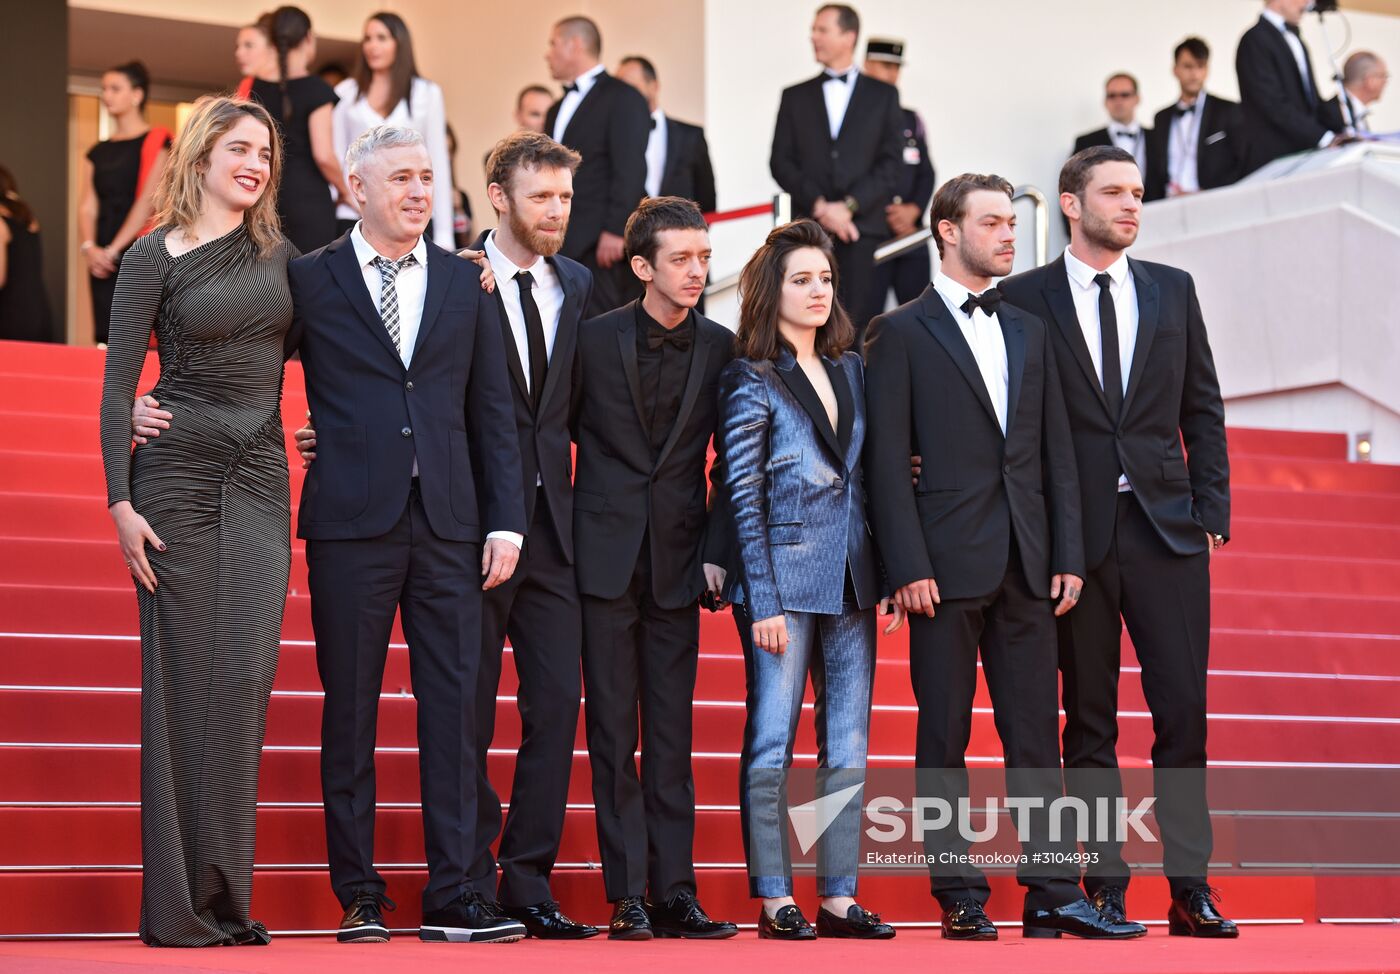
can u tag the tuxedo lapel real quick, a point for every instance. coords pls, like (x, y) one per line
(818, 107)
(859, 94)
(565, 334)
(845, 407)
(695, 378)
(507, 333)
(345, 268)
(585, 106)
(675, 149)
(1061, 304)
(627, 348)
(1013, 333)
(1149, 307)
(796, 381)
(945, 330)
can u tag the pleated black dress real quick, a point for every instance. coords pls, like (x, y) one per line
(214, 489)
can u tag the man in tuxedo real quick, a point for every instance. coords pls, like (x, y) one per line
(836, 150)
(531, 108)
(413, 506)
(1364, 76)
(606, 121)
(645, 411)
(908, 274)
(986, 549)
(1138, 378)
(678, 158)
(1281, 110)
(1120, 100)
(1193, 144)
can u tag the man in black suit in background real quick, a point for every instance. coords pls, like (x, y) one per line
(645, 411)
(1138, 380)
(981, 548)
(1194, 144)
(1281, 110)
(1364, 76)
(678, 158)
(836, 150)
(605, 121)
(908, 273)
(1120, 100)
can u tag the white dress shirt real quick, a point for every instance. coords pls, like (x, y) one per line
(982, 332)
(1183, 147)
(423, 111)
(656, 153)
(1132, 139)
(1125, 309)
(583, 83)
(1300, 57)
(837, 94)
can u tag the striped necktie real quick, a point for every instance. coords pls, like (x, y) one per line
(389, 294)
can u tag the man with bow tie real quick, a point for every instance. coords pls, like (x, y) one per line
(1195, 143)
(1120, 99)
(986, 548)
(837, 149)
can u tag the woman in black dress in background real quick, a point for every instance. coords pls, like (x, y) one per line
(118, 179)
(300, 103)
(24, 307)
(203, 513)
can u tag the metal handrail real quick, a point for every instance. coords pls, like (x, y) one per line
(891, 249)
(782, 213)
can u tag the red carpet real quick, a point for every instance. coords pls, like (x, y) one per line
(1305, 669)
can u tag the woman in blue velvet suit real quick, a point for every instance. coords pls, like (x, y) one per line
(792, 409)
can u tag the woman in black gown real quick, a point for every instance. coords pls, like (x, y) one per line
(24, 307)
(300, 103)
(203, 513)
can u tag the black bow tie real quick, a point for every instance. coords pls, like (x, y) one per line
(843, 77)
(677, 338)
(1293, 29)
(570, 87)
(989, 300)
(652, 124)
(1180, 109)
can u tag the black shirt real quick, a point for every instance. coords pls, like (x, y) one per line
(304, 198)
(116, 166)
(663, 370)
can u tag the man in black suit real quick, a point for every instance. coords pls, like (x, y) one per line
(1364, 76)
(678, 158)
(1120, 100)
(605, 121)
(1195, 143)
(645, 411)
(836, 150)
(909, 273)
(980, 549)
(1281, 110)
(1138, 380)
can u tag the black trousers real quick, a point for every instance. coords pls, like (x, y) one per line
(1165, 600)
(356, 587)
(908, 275)
(612, 286)
(857, 283)
(1016, 633)
(639, 664)
(538, 610)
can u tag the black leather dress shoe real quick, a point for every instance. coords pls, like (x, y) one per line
(1111, 901)
(789, 924)
(1078, 919)
(363, 922)
(682, 916)
(470, 919)
(966, 920)
(629, 920)
(545, 921)
(858, 924)
(1193, 914)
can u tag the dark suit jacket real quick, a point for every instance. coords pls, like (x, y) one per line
(1278, 115)
(609, 129)
(862, 162)
(450, 408)
(1218, 146)
(687, 171)
(1090, 139)
(1335, 121)
(977, 487)
(621, 493)
(545, 451)
(1172, 395)
(916, 181)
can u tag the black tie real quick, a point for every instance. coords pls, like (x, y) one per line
(833, 76)
(1108, 339)
(534, 337)
(676, 338)
(1181, 110)
(1293, 29)
(570, 87)
(652, 124)
(989, 300)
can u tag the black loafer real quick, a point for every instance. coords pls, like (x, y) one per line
(789, 924)
(363, 922)
(1193, 914)
(545, 921)
(1078, 919)
(858, 924)
(966, 920)
(1111, 901)
(629, 920)
(682, 916)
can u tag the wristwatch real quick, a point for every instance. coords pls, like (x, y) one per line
(852, 204)
(1217, 541)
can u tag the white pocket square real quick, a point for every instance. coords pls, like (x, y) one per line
(1216, 137)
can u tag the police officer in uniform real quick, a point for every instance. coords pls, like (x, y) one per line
(910, 272)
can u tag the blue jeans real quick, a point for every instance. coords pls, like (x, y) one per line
(838, 651)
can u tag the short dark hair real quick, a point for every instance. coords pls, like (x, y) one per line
(761, 292)
(846, 17)
(1121, 74)
(586, 30)
(1074, 175)
(1193, 46)
(657, 213)
(527, 150)
(950, 202)
(532, 90)
(137, 76)
(648, 69)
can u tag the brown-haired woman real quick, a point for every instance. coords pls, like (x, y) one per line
(203, 512)
(807, 576)
(386, 89)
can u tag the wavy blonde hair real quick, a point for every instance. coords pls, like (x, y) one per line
(179, 196)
